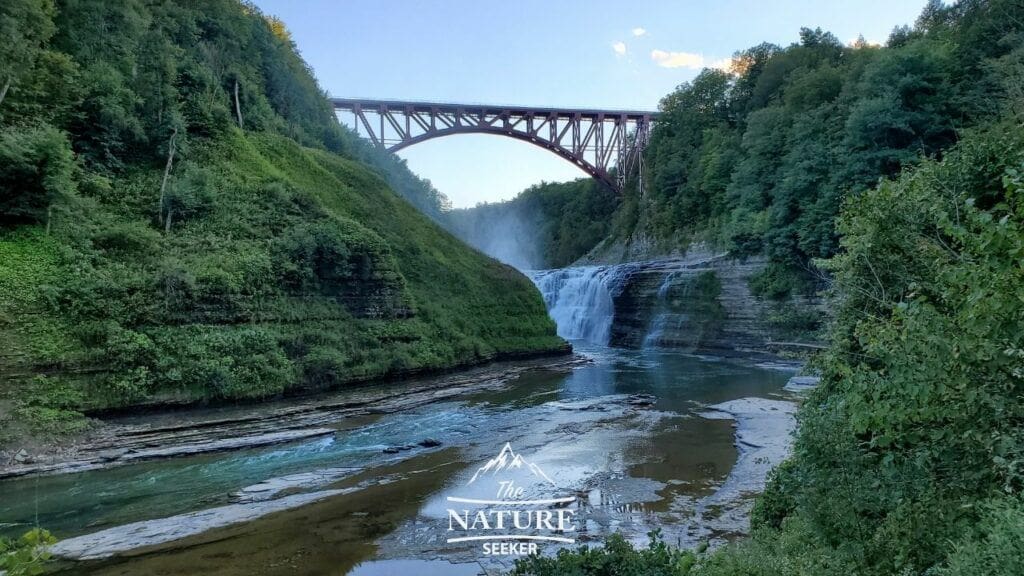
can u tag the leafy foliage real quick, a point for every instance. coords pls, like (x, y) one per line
(995, 544)
(162, 240)
(616, 558)
(914, 440)
(759, 160)
(35, 169)
(26, 555)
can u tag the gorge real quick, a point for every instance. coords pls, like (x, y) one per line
(637, 423)
(240, 337)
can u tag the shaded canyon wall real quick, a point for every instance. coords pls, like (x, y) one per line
(699, 305)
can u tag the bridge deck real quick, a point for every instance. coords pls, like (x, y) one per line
(421, 106)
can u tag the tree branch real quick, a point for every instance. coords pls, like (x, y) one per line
(167, 173)
(7, 86)
(238, 107)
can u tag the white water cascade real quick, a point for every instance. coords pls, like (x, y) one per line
(667, 324)
(579, 299)
(661, 319)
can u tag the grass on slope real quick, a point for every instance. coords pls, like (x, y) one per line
(283, 269)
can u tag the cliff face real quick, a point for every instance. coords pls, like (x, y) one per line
(704, 305)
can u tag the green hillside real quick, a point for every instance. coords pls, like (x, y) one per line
(182, 219)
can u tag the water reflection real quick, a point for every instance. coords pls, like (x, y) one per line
(558, 419)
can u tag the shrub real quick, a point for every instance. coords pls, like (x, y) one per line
(324, 367)
(786, 321)
(311, 256)
(48, 406)
(127, 239)
(995, 547)
(617, 557)
(191, 194)
(36, 168)
(776, 502)
(779, 282)
(222, 363)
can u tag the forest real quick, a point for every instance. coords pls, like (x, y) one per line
(183, 220)
(758, 159)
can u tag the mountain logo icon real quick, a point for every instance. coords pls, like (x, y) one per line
(507, 459)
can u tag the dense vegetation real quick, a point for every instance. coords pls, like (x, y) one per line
(916, 438)
(909, 459)
(616, 557)
(548, 225)
(182, 219)
(758, 160)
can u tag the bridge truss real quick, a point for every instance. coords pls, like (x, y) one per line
(607, 144)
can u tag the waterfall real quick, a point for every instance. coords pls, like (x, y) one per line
(579, 299)
(665, 320)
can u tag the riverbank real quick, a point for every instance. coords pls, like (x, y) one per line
(763, 429)
(640, 437)
(182, 432)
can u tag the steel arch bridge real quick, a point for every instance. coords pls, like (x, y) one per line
(594, 140)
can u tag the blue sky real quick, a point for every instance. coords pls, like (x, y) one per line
(581, 53)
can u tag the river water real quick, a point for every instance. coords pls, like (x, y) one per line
(636, 463)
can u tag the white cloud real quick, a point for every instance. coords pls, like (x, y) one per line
(677, 59)
(638, 31)
(619, 47)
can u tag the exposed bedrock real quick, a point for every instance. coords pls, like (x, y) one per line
(698, 304)
(702, 305)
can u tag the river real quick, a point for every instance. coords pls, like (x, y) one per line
(626, 431)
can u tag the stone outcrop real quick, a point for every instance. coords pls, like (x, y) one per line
(138, 535)
(802, 384)
(128, 440)
(702, 305)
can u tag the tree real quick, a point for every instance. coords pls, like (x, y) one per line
(903, 111)
(191, 194)
(36, 168)
(25, 26)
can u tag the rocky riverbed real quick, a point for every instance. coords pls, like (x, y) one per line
(641, 440)
(762, 427)
(119, 441)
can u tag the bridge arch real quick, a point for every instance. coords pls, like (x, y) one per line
(561, 151)
(596, 141)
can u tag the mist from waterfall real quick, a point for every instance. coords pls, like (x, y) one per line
(504, 233)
